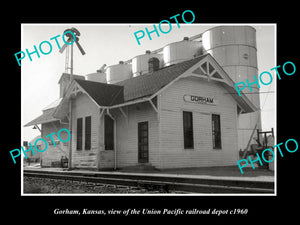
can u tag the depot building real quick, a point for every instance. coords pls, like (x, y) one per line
(175, 112)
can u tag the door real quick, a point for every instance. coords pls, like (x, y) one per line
(143, 145)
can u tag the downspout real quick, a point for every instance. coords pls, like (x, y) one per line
(100, 138)
(70, 124)
(115, 136)
(70, 129)
(157, 110)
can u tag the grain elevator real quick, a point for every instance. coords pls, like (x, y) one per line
(234, 48)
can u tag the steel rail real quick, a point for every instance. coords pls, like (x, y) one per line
(158, 182)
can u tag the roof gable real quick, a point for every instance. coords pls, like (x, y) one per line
(103, 94)
(211, 70)
(46, 117)
(150, 83)
(67, 76)
(145, 86)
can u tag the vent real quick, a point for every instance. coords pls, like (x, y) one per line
(101, 70)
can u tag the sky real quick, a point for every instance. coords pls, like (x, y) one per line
(108, 44)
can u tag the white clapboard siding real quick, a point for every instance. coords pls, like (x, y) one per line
(53, 154)
(172, 152)
(166, 148)
(127, 134)
(82, 107)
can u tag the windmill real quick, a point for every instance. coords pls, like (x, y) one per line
(69, 48)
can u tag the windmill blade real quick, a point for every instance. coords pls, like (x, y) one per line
(65, 45)
(75, 31)
(62, 48)
(71, 34)
(79, 46)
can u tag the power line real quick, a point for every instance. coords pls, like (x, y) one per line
(265, 99)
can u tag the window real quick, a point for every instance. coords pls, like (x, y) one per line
(216, 131)
(79, 134)
(188, 134)
(87, 142)
(108, 133)
(153, 64)
(87, 133)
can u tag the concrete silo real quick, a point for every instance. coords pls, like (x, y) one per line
(234, 48)
(140, 63)
(118, 72)
(99, 76)
(180, 51)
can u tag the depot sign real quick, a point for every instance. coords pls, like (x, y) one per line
(200, 99)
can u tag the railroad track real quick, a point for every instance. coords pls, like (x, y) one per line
(158, 181)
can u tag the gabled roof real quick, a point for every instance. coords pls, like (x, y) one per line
(103, 94)
(53, 104)
(145, 86)
(46, 117)
(148, 84)
(134, 88)
(67, 77)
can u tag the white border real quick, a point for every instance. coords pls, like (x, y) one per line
(140, 24)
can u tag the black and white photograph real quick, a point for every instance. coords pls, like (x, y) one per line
(178, 112)
(161, 119)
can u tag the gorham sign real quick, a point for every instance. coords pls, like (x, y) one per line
(200, 99)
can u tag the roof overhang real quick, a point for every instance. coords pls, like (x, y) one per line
(209, 69)
(206, 68)
(46, 117)
(212, 71)
(62, 110)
